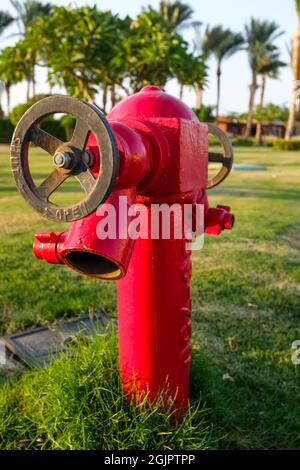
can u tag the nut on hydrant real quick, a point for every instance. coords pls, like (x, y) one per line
(151, 150)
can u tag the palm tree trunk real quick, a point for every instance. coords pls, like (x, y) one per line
(253, 88)
(33, 82)
(28, 89)
(261, 104)
(7, 89)
(218, 92)
(181, 92)
(113, 95)
(296, 77)
(199, 96)
(104, 98)
(85, 90)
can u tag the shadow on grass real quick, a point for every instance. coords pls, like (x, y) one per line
(238, 191)
(250, 410)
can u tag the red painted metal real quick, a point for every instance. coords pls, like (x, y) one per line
(155, 320)
(46, 246)
(164, 159)
(218, 219)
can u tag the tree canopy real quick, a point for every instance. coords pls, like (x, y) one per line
(86, 50)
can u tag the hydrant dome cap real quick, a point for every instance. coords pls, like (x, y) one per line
(151, 102)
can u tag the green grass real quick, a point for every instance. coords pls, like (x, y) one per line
(246, 314)
(77, 403)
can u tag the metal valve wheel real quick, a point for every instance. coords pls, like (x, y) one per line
(226, 159)
(69, 158)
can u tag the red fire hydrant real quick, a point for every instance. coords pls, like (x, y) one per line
(151, 150)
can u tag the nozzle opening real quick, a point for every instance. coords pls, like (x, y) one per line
(93, 265)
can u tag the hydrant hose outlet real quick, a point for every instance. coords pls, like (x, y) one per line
(93, 265)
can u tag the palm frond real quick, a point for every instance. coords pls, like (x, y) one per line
(222, 43)
(29, 10)
(175, 12)
(260, 36)
(5, 20)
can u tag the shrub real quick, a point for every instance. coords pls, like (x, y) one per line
(282, 144)
(240, 142)
(68, 123)
(236, 142)
(205, 113)
(54, 127)
(6, 130)
(18, 111)
(268, 141)
(50, 125)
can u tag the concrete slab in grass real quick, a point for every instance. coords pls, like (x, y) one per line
(35, 347)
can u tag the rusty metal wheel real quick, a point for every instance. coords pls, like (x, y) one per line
(226, 159)
(70, 159)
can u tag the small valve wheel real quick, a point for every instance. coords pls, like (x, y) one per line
(69, 158)
(226, 159)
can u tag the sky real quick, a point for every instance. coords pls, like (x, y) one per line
(236, 76)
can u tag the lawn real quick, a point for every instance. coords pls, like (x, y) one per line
(246, 314)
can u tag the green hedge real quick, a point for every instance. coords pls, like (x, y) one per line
(240, 142)
(18, 111)
(282, 144)
(54, 127)
(235, 141)
(50, 125)
(205, 113)
(6, 130)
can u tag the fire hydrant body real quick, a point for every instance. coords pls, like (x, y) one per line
(163, 151)
(154, 306)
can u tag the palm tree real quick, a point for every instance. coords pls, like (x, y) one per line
(175, 13)
(260, 36)
(179, 14)
(27, 12)
(5, 20)
(191, 72)
(13, 68)
(269, 66)
(198, 50)
(296, 76)
(222, 44)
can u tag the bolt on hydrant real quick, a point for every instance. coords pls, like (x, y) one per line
(151, 150)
